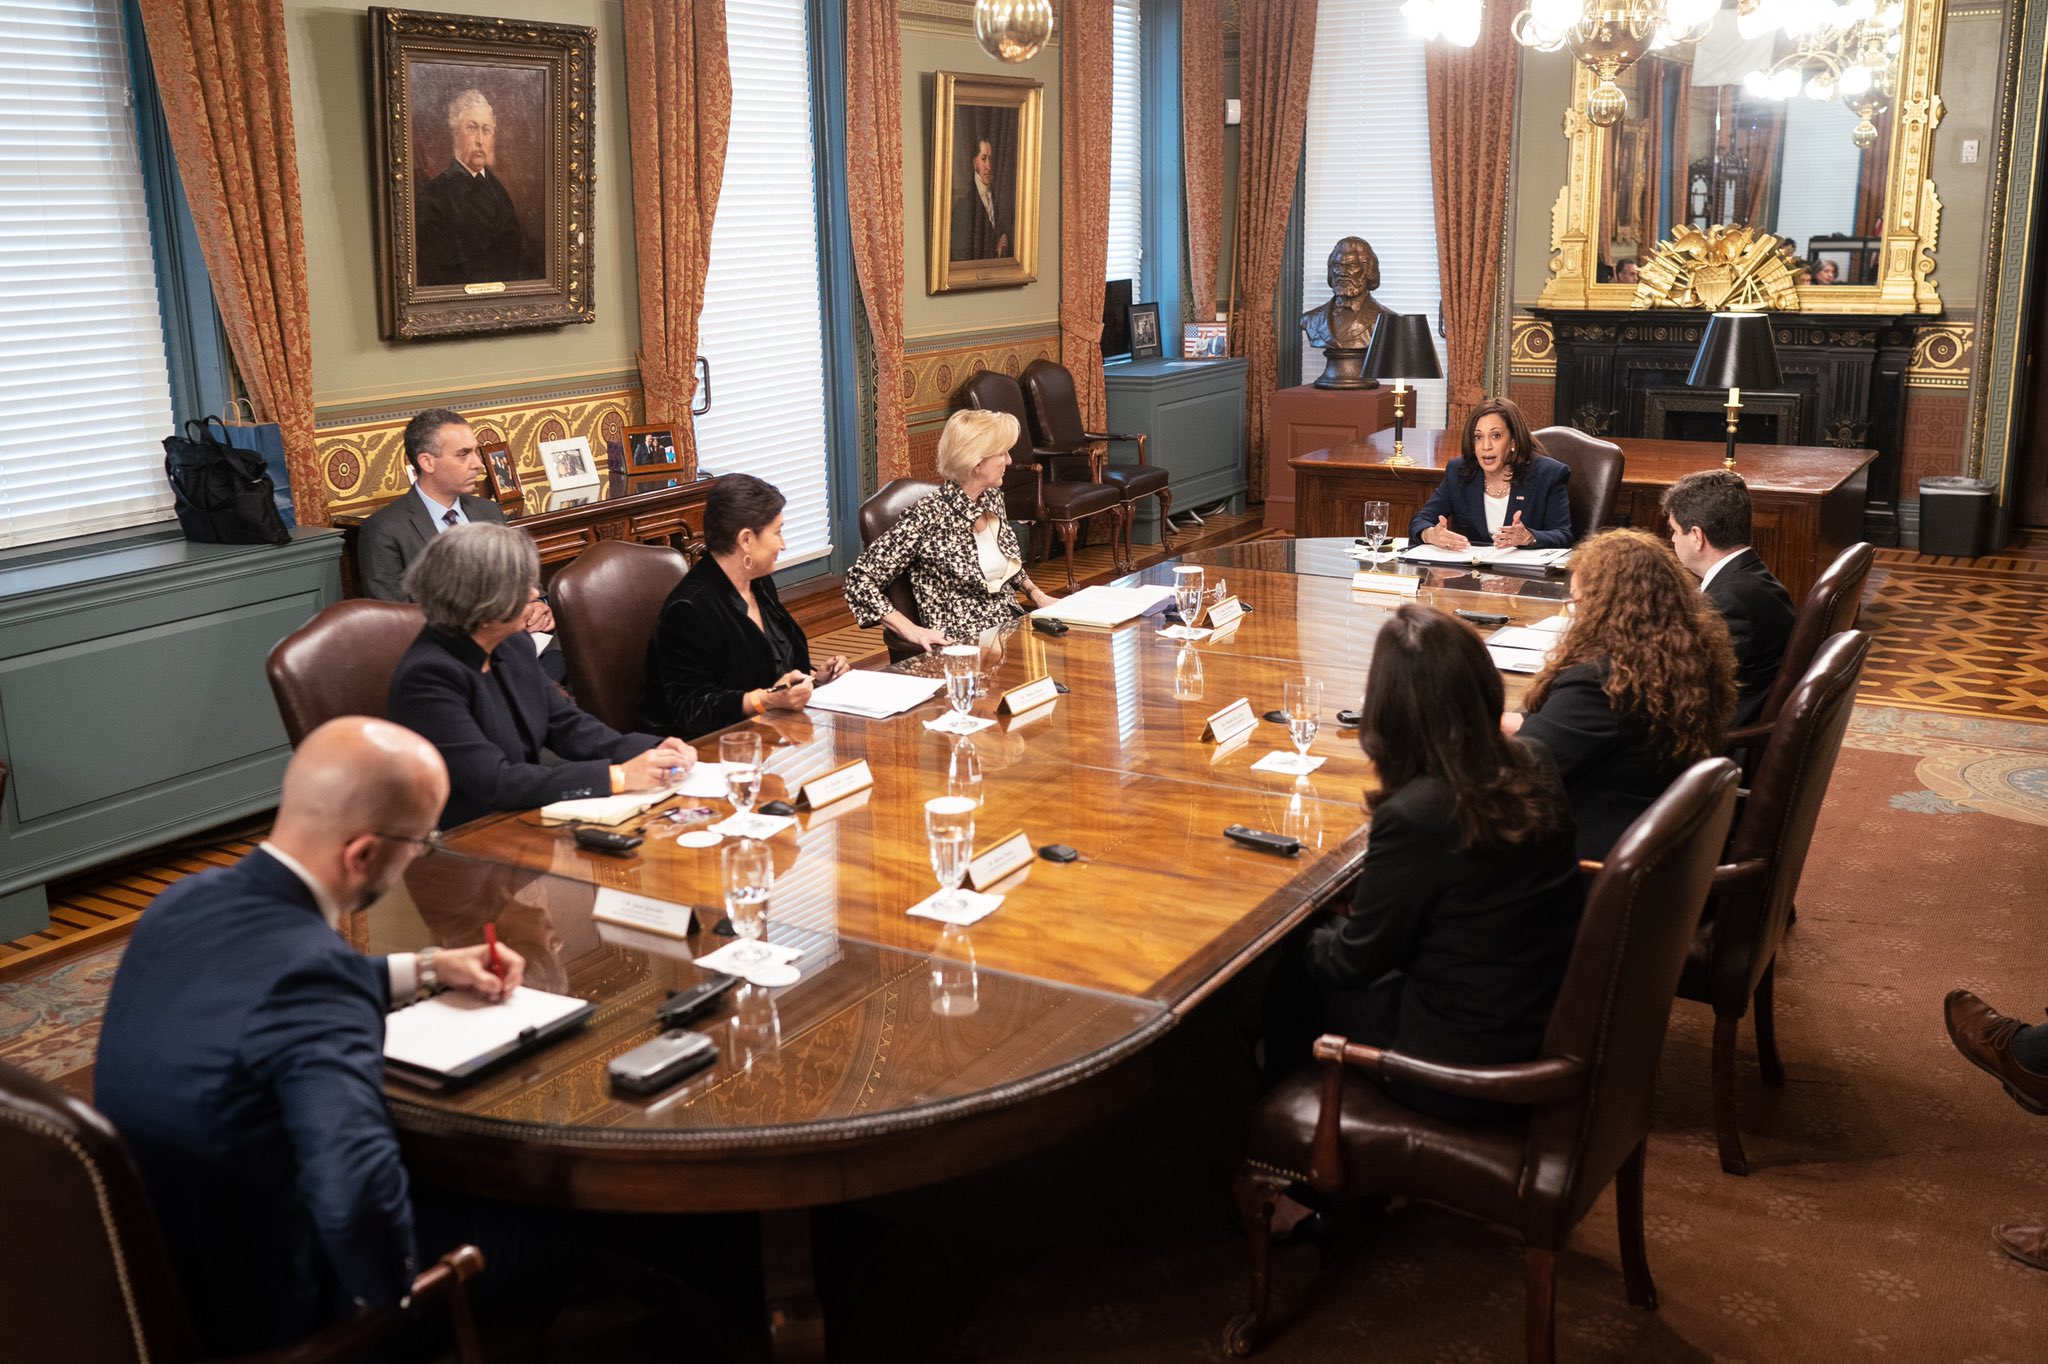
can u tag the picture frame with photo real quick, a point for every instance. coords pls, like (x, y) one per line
(1145, 339)
(501, 472)
(1205, 341)
(568, 463)
(652, 450)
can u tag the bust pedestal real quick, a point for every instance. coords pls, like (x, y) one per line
(1307, 418)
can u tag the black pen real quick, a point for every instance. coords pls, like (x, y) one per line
(785, 686)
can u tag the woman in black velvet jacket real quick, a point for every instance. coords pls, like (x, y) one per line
(724, 648)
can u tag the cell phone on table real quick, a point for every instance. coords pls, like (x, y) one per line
(660, 1063)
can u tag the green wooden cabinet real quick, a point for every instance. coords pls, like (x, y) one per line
(1193, 413)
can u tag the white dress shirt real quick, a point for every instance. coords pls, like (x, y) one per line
(403, 966)
(1720, 564)
(438, 514)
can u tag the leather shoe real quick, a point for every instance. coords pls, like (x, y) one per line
(1985, 1036)
(2028, 1245)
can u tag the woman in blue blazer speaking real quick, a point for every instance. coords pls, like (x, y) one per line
(1503, 491)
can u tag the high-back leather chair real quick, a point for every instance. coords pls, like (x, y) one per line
(1596, 467)
(877, 514)
(340, 663)
(84, 1275)
(1030, 495)
(1734, 958)
(1589, 1090)
(1057, 429)
(607, 604)
(1830, 608)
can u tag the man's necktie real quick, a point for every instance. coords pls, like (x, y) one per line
(448, 517)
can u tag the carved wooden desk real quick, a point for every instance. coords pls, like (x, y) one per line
(1807, 500)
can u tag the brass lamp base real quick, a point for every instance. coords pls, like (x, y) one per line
(1734, 410)
(1399, 459)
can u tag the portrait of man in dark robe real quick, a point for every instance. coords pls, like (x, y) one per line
(466, 220)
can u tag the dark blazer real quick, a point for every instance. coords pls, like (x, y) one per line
(1450, 954)
(1759, 613)
(390, 540)
(1612, 767)
(242, 1060)
(491, 727)
(467, 230)
(1540, 495)
(707, 653)
(974, 236)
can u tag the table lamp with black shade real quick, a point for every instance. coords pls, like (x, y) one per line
(1736, 353)
(1409, 353)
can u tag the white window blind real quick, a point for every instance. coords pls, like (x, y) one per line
(762, 327)
(83, 379)
(1126, 154)
(1368, 169)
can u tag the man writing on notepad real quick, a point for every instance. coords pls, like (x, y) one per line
(242, 1053)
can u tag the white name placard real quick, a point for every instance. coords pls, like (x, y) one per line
(642, 912)
(1000, 861)
(1233, 721)
(1033, 693)
(1223, 614)
(837, 784)
(838, 809)
(1031, 717)
(1392, 583)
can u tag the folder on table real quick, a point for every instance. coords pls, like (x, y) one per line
(452, 1039)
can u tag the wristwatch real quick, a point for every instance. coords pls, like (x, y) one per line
(429, 978)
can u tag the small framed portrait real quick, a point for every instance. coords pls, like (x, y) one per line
(1145, 343)
(501, 472)
(986, 135)
(484, 161)
(651, 450)
(568, 463)
(1205, 340)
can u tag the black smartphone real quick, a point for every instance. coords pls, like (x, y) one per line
(608, 841)
(660, 1063)
(1049, 625)
(684, 1005)
(1285, 845)
(1482, 617)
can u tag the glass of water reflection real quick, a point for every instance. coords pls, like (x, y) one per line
(949, 835)
(1302, 699)
(741, 756)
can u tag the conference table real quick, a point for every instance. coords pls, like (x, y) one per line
(908, 1051)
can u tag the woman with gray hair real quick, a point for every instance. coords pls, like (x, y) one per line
(490, 709)
(956, 544)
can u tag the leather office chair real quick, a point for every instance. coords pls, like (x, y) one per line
(1596, 467)
(877, 514)
(88, 1281)
(1056, 430)
(1031, 495)
(1733, 959)
(340, 662)
(1589, 1090)
(607, 604)
(1830, 608)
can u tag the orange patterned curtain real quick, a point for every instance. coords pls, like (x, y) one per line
(1201, 117)
(1276, 53)
(679, 107)
(874, 192)
(1471, 126)
(1087, 68)
(220, 65)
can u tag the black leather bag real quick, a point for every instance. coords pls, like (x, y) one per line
(224, 495)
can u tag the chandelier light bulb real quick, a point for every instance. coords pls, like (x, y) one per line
(1012, 30)
(1422, 18)
(1459, 21)
(1607, 105)
(1821, 87)
(1855, 79)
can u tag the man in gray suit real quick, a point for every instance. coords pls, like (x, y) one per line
(443, 454)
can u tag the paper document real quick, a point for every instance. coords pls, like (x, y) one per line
(705, 779)
(541, 639)
(1523, 637)
(447, 1032)
(875, 695)
(1515, 660)
(1104, 607)
(1485, 556)
(1554, 625)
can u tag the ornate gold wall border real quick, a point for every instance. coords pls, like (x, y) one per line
(1532, 349)
(363, 462)
(1943, 356)
(934, 369)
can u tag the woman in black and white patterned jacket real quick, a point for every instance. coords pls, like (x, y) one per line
(956, 544)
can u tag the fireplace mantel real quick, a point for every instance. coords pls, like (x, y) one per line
(1845, 385)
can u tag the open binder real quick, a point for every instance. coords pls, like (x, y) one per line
(454, 1039)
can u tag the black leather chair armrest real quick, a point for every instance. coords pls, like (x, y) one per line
(448, 1277)
(1139, 439)
(1738, 876)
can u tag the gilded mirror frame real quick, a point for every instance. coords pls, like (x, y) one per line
(1912, 209)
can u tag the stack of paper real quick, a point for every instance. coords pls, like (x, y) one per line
(875, 695)
(1485, 556)
(1104, 607)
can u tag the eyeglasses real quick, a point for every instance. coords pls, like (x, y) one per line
(431, 841)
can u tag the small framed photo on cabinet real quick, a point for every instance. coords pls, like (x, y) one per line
(652, 450)
(501, 471)
(1145, 331)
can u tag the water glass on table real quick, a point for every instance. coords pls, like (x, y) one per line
(1376, 517)
(749, 874)
(949, 837)
(740, 754)
(1187, 592)
(1302, 699)
(961, 662)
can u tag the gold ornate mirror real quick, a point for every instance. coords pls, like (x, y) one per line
(1801, 188)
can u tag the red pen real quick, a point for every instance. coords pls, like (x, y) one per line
(491, 940)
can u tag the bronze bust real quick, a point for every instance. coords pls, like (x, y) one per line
(1347, 325)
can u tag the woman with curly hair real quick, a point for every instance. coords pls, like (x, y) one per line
(1639, 688)
(1502, 491)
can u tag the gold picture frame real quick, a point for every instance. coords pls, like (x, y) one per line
(984, 236)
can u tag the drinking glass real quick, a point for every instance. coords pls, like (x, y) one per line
(963, 770)
(1302, 698)
(749, 877)
(1376, 516)
(1187, 593)
(741, 755)
(1187, 674)
(949, 835)
(960, 662)
(956, 981)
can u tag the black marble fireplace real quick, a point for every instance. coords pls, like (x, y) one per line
(1623, 374)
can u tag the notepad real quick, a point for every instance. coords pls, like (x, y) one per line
(1106, 607)
(1524, 637)
(1486, 556)
(603, 809)
(875, 695)
(457, 1037)
(1515, 660)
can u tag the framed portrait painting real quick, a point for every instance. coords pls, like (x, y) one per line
(986, 144)
(483, 166)
(652, 450)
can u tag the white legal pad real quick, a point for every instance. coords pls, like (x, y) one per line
(452, 1033)
(875, 695)
(1104, 607)
(1485, 556)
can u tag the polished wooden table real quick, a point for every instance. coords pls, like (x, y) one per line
(1806, 500)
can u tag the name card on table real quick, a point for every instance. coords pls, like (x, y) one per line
(1222, 615)
(838, 809)
(1036, 692)
(840, 782)
(1393, 583)
(1233, 721)
(643, 912)
(1032, 716)
(1000, 861)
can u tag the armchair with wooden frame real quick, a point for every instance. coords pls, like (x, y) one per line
(1031, 495)
(1070, 452)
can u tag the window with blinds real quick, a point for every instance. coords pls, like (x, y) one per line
(84, 382)
(1368, 172)
(1126, 155)
(762, 326)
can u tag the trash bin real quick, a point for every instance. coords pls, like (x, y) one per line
(1956, 516)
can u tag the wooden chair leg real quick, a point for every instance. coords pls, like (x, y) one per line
(1067, 532)
(1257, 1192)
(1628, 1215)
(1539, 1290)
(1767, 1029)
(1165, 511)
(1127, 522)
(1725, 1130)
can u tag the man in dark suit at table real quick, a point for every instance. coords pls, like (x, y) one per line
(442, 450)
(1707, 516)
(242, 1052)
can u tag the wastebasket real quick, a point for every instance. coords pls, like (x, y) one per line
(1956, 516)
